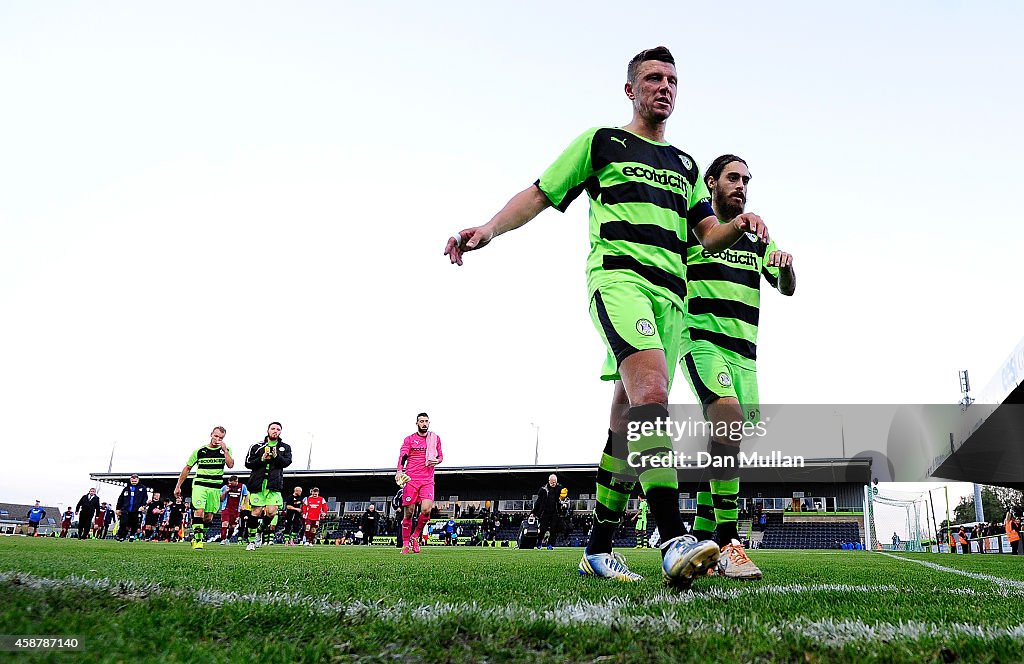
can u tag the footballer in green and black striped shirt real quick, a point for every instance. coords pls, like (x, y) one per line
(209, 461)
(645, 194)
(719, 348)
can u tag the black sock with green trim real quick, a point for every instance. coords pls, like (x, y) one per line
(660, 481)
(704, 522)
(615, 482)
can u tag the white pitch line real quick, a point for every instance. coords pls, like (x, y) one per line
(615, 611)
(839, 632)
(972, 575)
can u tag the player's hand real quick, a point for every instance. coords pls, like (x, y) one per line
(430, 463)
(177, 492)
(780, 259)
(748, 222)
(467, 240)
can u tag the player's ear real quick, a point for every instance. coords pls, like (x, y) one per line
(629, 90)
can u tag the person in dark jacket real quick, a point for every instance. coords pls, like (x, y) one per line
(266, 460)
(546, 510)
(368, 524)
(87, 507)
(108, 518)
(129, 504)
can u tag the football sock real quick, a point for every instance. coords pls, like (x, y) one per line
(197, 532)
(660, 484)
(616, 480)
(704, 522)
(254, 524)
(725, 489)
(406, 531)
(422, 521)
(725, 494)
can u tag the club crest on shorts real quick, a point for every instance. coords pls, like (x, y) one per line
(687, 164)
(724, 379)
(645, 327)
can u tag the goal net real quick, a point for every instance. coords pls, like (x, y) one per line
(895, 520)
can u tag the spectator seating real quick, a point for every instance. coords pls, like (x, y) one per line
(810, 535)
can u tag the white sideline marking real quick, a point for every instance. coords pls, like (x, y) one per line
(972, 575)
(836, 633)
(615, 611)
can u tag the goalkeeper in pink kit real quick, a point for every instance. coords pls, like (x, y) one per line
(420, 453)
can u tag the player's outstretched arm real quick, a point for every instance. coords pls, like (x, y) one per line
(715, 236)
(523, 207)
(181, 480)
(787, 277)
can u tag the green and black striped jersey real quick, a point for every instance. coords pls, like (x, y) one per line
(209, 464)
(724, 299)
(643, 196)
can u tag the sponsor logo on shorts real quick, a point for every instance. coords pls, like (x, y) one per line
(724, 379)
(645, 327)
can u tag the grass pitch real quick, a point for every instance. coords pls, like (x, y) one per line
(164, 602)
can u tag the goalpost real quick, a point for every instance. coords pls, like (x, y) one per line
(895, 520)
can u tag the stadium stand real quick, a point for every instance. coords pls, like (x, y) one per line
(826, 486)
(810, 535)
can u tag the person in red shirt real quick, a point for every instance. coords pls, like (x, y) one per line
(231, 495)
(97, 523)
(313, 509)
(65, 522)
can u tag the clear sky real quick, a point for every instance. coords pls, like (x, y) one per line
(232, 213)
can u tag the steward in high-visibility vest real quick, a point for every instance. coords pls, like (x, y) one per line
(965, 546)
(1012, 527)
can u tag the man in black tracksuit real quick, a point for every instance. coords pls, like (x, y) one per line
(368, 524)
(87, 507)
(546, 510)
(293, 517)
(266, 460)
